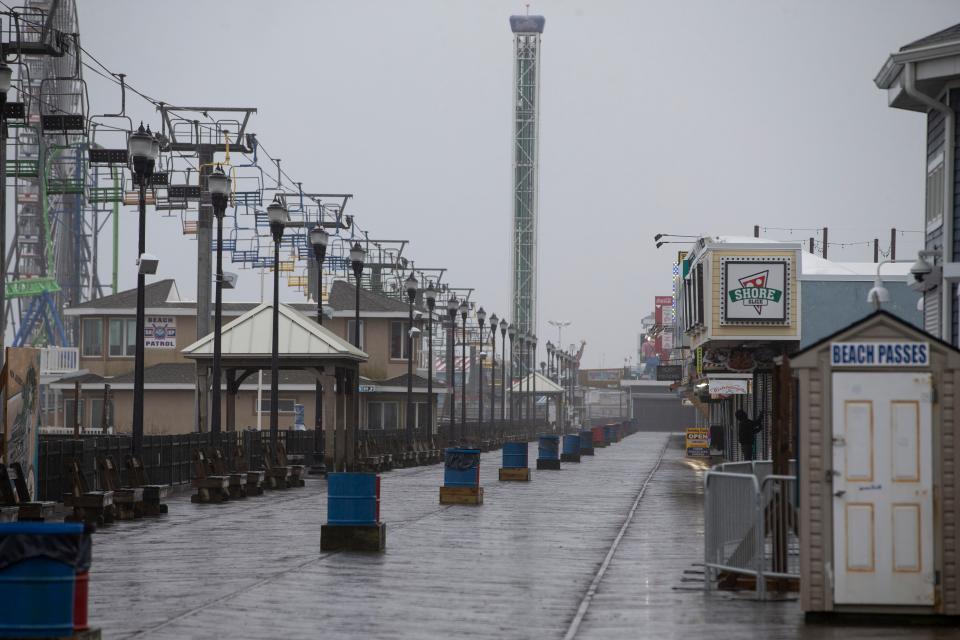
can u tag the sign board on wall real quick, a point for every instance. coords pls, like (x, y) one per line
(21, 399)
(698, 442)
(729, 386)
(755, 291)
(900, 353)
(669, 372)
(160, 332)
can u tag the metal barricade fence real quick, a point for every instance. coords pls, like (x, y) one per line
(750, 524)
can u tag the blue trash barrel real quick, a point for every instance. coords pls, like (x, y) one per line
(38, 564)
(571, 444)
(609, 433)
(549, 447)
(586, 440)
(353, 499)
(514, 455)
(461, 467)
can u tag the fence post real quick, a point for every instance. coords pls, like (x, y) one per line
(709, 526)
(758, 525)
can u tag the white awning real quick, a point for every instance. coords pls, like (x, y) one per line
(545, 386)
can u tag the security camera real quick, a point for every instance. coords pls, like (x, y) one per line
(920, 270)
(147, 264)
(414, 332)
(229, 280)
(417, 315)
(327, 312)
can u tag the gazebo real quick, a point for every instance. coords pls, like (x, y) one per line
(537, 384)
(246, 347)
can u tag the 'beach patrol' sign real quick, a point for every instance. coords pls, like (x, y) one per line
(880, 354)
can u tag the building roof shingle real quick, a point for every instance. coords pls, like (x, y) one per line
(950, 34)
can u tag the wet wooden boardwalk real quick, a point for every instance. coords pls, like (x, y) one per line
(517, 567)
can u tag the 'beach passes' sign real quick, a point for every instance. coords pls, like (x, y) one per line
(880, 354)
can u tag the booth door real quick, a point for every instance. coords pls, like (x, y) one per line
(883, 499)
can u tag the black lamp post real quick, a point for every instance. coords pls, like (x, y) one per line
(411, 285)
(533, 375)
(218, 184)
(142, 151)
(319, 239)
(464, 309)
(503, 371)
(550, 360)
(512, 331)
(357, 258)
(493, 371)
(481, 320)
(430, 295)
(279, 217)
(453, 305)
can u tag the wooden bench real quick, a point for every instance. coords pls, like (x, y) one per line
(237, 481)
(297, 471)
(153, 494)
(255, 479)
(368, 459)
(14, 494)
(90, 507)
(211, 489)
(128, 501)
(277, 477)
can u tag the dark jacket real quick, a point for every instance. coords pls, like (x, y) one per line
(747, 428)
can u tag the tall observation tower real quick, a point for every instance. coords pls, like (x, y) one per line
(526, 169)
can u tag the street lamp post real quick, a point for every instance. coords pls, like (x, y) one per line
(430, 295)
(503, 371)
(512, 331)
(357, 258)
(452, 306)
(319, 239)
(464, 308)
(493, 372)
(411, 285)
(533, 375)
(218, 184)
(481, 320)
(142, 150)
(279, 217)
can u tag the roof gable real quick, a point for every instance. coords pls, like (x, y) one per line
(880, 325)
(950, 34)
(156, 294)
(342, 297)
(252, 335)
(544, 385)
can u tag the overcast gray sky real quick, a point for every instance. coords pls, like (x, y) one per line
(657, 116)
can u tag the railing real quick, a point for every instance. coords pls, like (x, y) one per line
(58, 360)
(166, 459)
(750, 524)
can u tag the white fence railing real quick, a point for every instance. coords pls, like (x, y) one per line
(750, 524)
(59, 360)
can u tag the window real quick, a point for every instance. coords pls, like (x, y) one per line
(97, 418)
(351, 333)
(700, 293)
(92, 345)
(421, 415)
(123, 336)
(398, 339)
(284, 405)
(382, 415)
(68, 412)
(934, 205)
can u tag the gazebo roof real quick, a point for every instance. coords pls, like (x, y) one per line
(545, 386)
(248, 340)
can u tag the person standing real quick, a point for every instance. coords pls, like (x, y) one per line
(746, 430)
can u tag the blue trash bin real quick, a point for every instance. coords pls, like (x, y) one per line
(353, 499)
(461, 467)
(515, 455)
(549, 447)
(586, 442)
(38, 565)
(571, 444)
